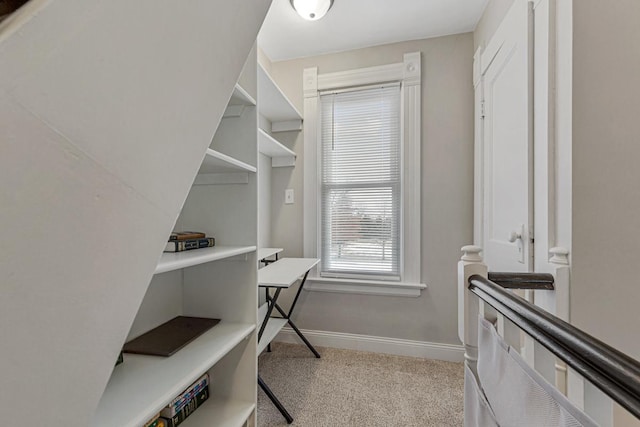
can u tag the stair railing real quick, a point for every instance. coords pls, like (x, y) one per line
(480, 293)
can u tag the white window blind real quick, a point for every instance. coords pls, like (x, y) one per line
(360, 183)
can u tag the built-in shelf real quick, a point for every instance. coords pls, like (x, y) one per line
(240, 99)
(275, 106)
(220, 412)
(219, 168)
(143, 385)
(280, 155)
(170, 261)
(216, 162)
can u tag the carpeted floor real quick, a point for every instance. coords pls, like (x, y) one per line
(352, 388)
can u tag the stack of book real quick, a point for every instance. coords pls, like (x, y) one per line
(185, 403)
(186, 240)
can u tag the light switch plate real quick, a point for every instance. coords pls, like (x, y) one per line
(288, 196)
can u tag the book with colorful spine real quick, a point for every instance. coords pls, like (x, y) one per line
(183, 398)
(188, 409)
(189, 244)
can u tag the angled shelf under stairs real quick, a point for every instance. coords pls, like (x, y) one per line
(218, 282)
(240, 99)
(141, 387)
(216, 162)
(219, 168)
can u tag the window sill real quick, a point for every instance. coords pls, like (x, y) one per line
(364, 287)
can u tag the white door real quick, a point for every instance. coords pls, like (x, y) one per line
(507, 181)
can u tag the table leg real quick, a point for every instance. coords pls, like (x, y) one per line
(288, 317)
(268, 315)
(295, 300)
(275, 400)
(266, 293)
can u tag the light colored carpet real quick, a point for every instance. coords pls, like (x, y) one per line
(352, 388)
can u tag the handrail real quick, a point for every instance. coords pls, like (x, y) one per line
(535, 281)
(612, 371)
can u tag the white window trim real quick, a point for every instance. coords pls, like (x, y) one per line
(409, 74)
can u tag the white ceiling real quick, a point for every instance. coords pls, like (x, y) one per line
(352, 24)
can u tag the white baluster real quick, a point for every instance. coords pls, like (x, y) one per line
(469, 265)
(559, 261)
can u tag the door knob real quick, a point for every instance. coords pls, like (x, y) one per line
(514, 235)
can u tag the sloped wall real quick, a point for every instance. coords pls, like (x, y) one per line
(106, 110)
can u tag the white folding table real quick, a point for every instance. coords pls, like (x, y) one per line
(265, 254)
(281, 274)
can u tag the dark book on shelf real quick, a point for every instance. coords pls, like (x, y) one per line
(187, 245)
(183, 398)
(185, 235)
(171, 336)
(188, 409)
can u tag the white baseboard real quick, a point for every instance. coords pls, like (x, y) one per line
(398, 347)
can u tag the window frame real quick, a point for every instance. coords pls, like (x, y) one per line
(408, 73)
(395, 185)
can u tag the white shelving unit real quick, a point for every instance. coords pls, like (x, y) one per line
(280, 155)
(240, 99)
(218, 282)
(281, 115)
(139, 388)
(275, 106)
(218, 168)
(175, 261)
(278, 114)
(221, 412)
(215, 162)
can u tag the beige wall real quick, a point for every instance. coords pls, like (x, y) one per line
(606, 195)
(447, 193)
(606, 176)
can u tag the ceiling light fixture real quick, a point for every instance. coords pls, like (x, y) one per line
(312, 10)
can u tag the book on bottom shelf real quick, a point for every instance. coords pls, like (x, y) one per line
(185, 235)
(189, 244)
(183, 398)
(188, 409)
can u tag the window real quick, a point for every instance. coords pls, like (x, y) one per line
(360, 183)
(362, 179)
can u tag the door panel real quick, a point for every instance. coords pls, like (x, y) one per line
(507, 143)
